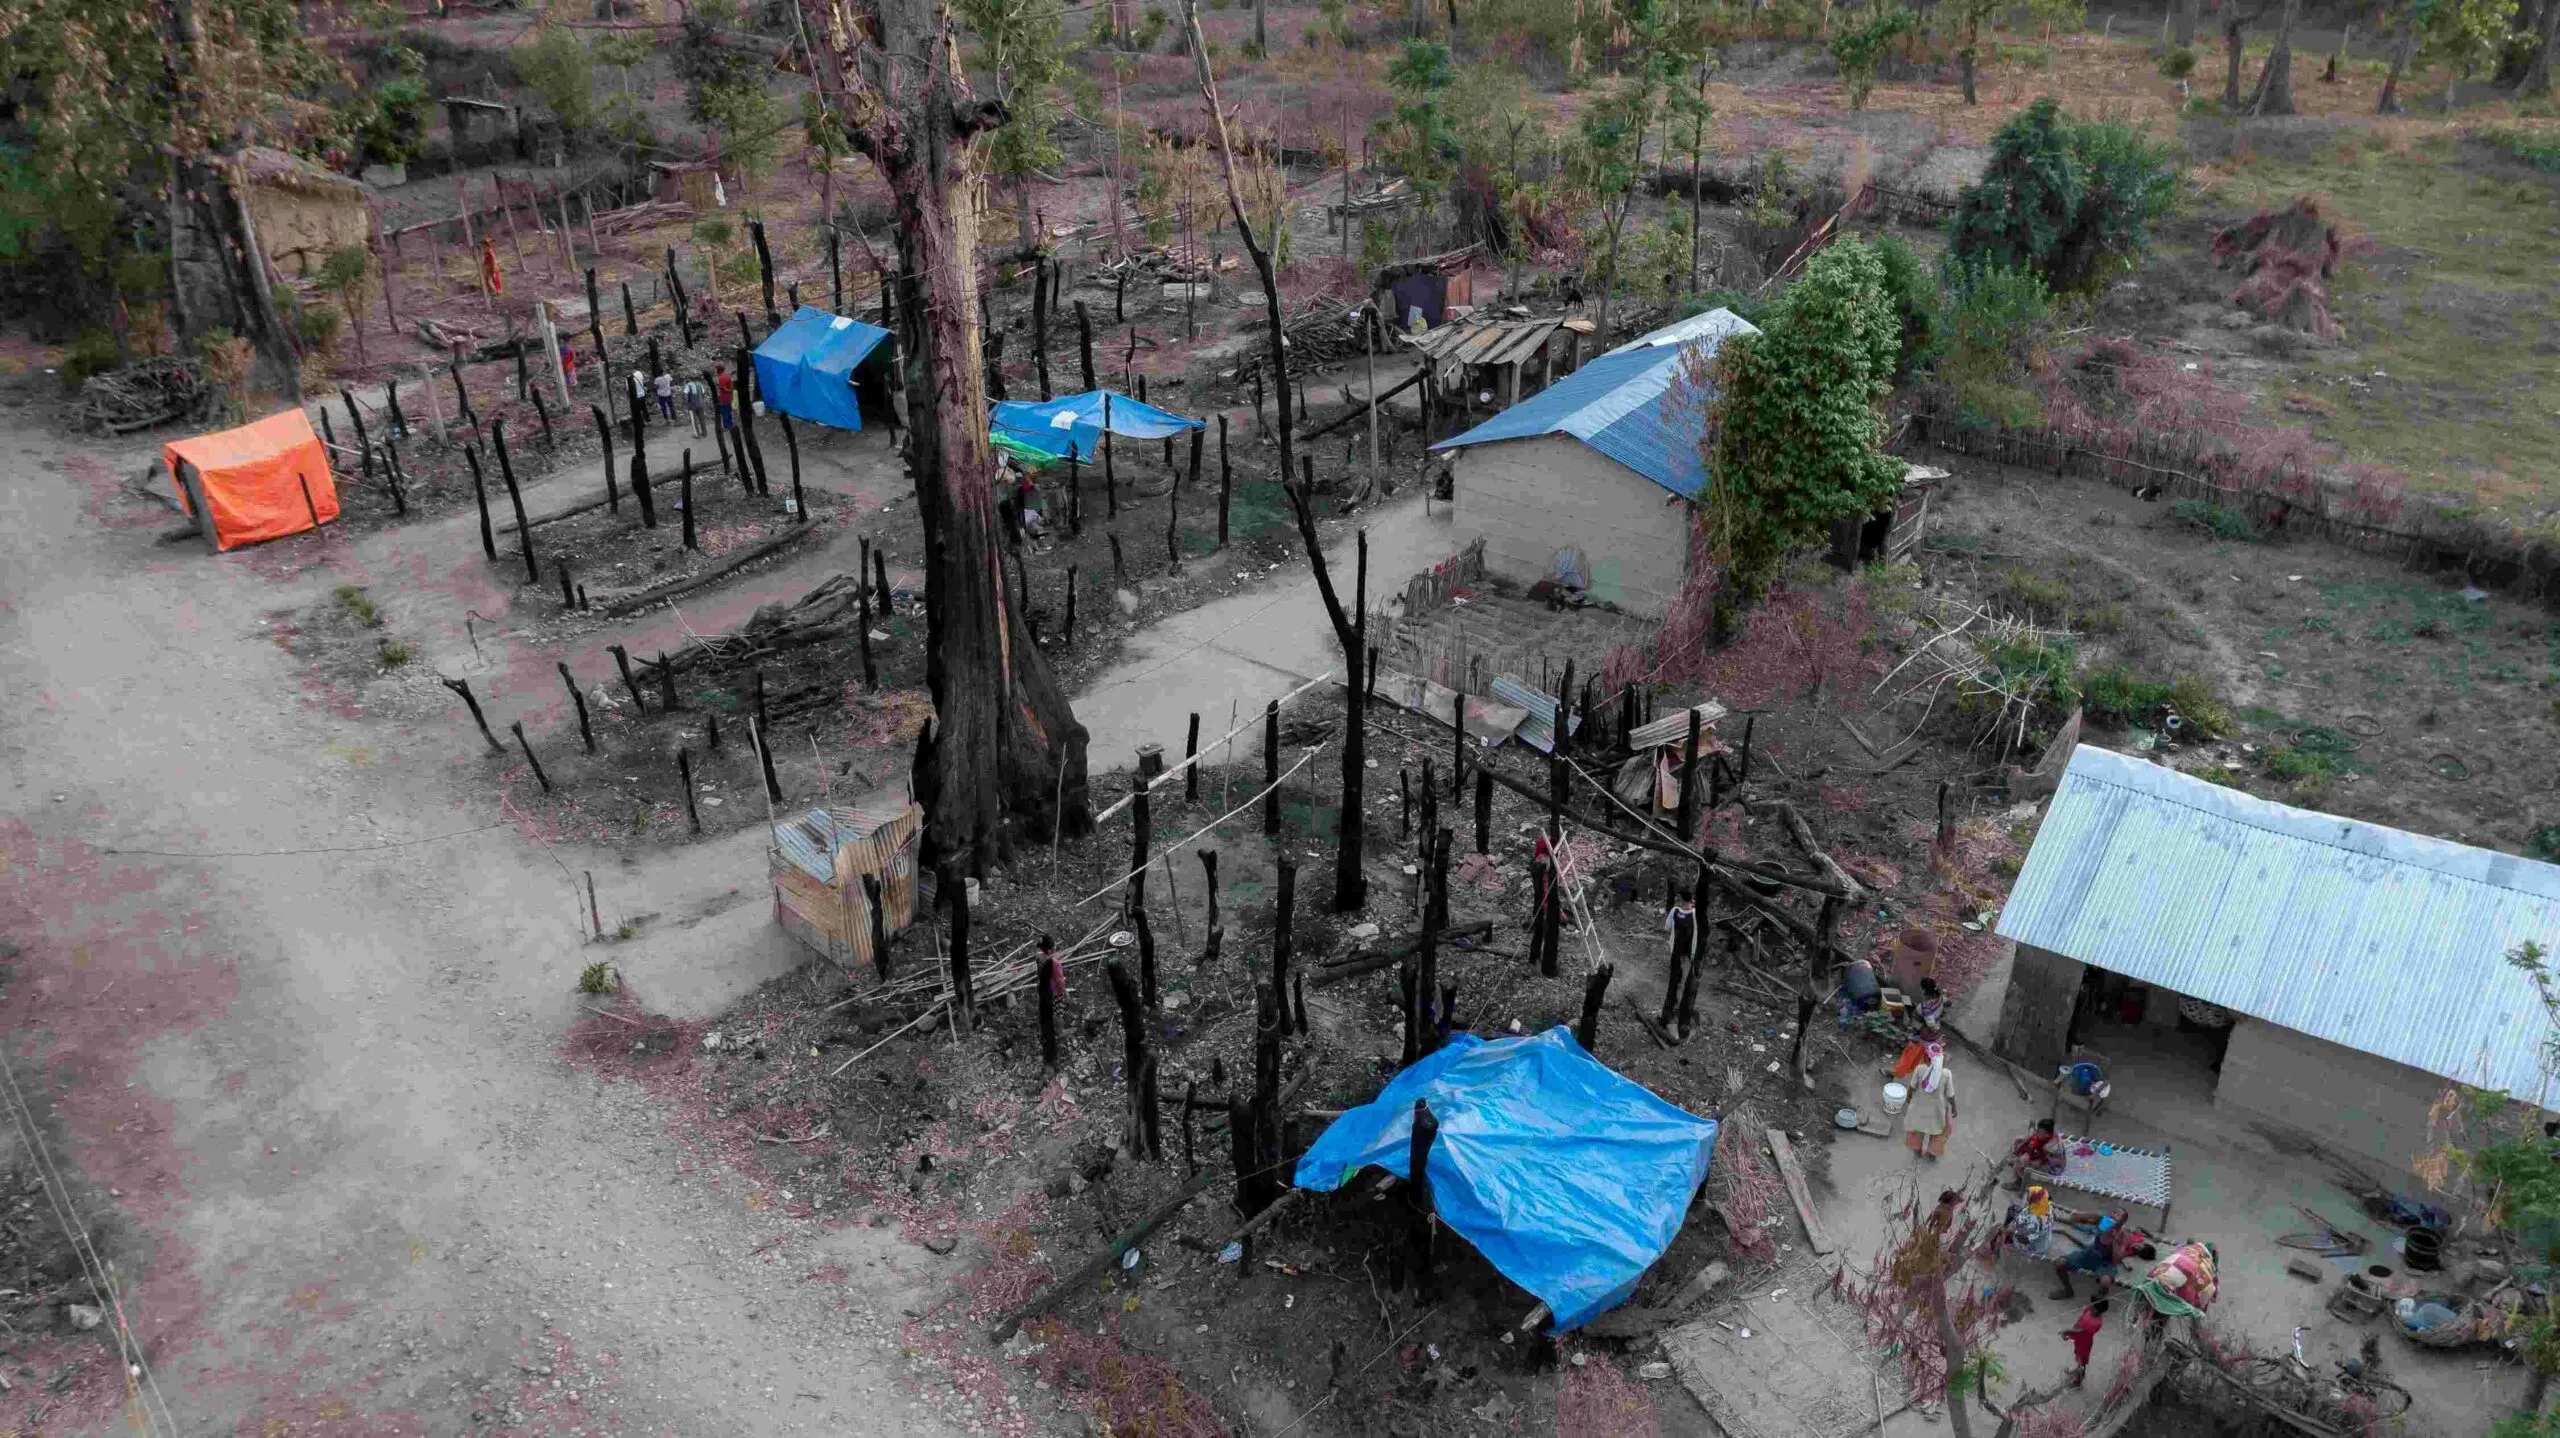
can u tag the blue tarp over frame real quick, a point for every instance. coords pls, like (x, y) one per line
(805, 369)
(1050, 426)
(1568, 1177)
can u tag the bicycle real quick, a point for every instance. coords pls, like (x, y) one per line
(2351, 1400)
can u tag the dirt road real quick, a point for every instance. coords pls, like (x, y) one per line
(297, 993)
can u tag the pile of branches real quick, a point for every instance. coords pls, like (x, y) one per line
(1995, 666)
(161, 390)
(641, 216)
(1320, 332)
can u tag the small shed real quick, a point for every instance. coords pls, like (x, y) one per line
(301, 209)
(820, 859)
(695, 182)
(1496, 354)
(1891, 533)
(1593, 482)
(2333, 976)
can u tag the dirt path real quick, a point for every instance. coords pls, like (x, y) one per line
(320, 1078)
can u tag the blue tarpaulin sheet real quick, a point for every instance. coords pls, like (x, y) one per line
(1568, 1177)
(1050, 426)
(805, 369)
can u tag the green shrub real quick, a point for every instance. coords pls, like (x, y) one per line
(598, 978)
(394, 653)
(359, 606)
(1859, 49)
(2178, 63)
(2306, 770)
(1914, 292)
(2215, 520)
(2072, 200)
(1993, 334)
(2043, 668)
(2036, 593)
(91, 352)
(318, 326)
(2538, 148)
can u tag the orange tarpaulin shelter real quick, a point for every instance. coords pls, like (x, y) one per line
(252, 478)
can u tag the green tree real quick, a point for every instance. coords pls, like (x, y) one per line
(1996, 323)
(1416, 139)
(622, 52)
(135, 118)
(1966, 18)
(1019, 43)
(345, 274)
(1914, 292)
(557, 66)
(1797, 432)
(747, 123)
(1608, 158)
(2072, 200)
(1860, 49)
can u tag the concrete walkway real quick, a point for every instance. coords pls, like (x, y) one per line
(1245, 651)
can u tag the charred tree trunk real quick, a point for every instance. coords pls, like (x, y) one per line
(1006, 744)
(2275, 83)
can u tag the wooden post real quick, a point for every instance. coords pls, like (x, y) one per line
(1271, 768)
(472, 702)
(1283, 922)
(684, 774)
(604, 436)
(1190, 756)
(1049, 1025)
(515, 496)
(685, 498)
(471, 244)
(1426, 1130)
(1594, 991)
(964, 990)
(1484, 812)
(1039, 323)
(1084, 337)
(480, 493)
(791, 441)
(1209, 883)
(551, 352)
(539, 777)
(862, 596)
(1146, 931)
(1110, 484)
(666, 684)
(426, 383)
(1457, 744)
(630, 316)
(462, 393)
(1408, 998)
(1689, 782)
(1172, 521)
(1075, 495)
(640, 485)
(1226, 482)
(622, 664)
(764, 757)
(1133, 1030)
(1069, 636)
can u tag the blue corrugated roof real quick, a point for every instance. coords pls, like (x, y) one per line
(2386, 942)
(1628, 405)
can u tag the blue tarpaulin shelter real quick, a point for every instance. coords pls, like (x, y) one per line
(805, 369)
(1051, 426)
(1568, 1177)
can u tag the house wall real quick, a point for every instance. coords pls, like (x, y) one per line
(290, 220)
(2035, 1013)
(2356, 1103)
(1528, 498)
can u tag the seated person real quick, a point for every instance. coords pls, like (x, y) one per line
(2041, 1151)
(1859, 991)
(2102, 1257)
(2031, 1224)
(1932, 1005)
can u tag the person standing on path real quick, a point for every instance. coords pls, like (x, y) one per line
(2083, 1334)
(1932, 1114)
(724, 392)
(695, 403)
(665, 385)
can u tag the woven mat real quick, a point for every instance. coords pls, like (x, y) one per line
(2133, 1174)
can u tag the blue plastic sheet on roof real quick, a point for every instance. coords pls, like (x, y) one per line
(1052, 426)
(1568, 1177)
(805, 368)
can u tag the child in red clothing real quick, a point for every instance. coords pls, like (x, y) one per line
(2083, 1334)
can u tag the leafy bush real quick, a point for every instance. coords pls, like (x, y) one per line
(1993, 333)
(1914, 292)
(2213, 519)
(2538, 148)
(92, 352)
(1859, 50)
(555, 65)
(2178, 63)
(394, 653)
(2117, 695)
(318, 326)
(391, 125)
(2072, 200)
(598, 978)
(2045, 669)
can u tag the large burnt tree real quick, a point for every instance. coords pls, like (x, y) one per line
(1005, 752)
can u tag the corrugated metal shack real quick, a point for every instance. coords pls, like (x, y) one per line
(2339, 975)
(1491, 355)
(818, 862)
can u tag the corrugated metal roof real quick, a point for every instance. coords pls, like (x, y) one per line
(1628, 405)
(1538, 731)
(1714, 326)
(2386, 942)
